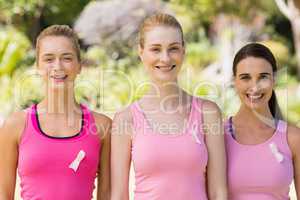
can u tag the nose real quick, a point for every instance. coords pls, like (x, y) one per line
(164, 57)
(255, 86)
(56, 65)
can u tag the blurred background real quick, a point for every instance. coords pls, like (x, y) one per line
(112, 75)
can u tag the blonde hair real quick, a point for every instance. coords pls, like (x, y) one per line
(59, 30)
(158, 19)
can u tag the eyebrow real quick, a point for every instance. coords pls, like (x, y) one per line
(265, 73)
(64, 54)
(154, 45)
(173, 43)
(247, 74)
(177, 43)
(244, 74)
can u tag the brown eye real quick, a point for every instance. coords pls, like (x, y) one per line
(68, 59)
(264, 77)
(244, 76)
(155, 49)
(174, 48)
(48, 60)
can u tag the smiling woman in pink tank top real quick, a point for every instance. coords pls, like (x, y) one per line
(262, 150)
(174, 140)
(58, 147)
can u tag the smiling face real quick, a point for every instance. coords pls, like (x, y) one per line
(57, 60)
(254, 82)
(162, 53)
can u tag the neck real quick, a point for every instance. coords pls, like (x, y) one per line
(259, 116)
(167, 95)
(60, 100)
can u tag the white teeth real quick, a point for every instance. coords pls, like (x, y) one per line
(254, 97)
(59, 77)
(166, 68)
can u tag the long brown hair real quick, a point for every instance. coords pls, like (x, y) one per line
(260, 51)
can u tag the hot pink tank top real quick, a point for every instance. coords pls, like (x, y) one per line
(169, 166)
(44, 161)
(259, 172)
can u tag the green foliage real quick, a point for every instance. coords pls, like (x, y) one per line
(13, 48)
(58, 11)
(30, 16)
(206, 10)
(200, 54)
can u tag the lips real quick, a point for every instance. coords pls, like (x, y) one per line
(59, 78)
(255, 97)
(165, 68)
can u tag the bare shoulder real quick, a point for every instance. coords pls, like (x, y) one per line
(103, 124)
(123, 115)
(210, 107)
(212, 119)
(293, 133)
(14, 125)
(294, 138)
(123, 124)
(101, 118)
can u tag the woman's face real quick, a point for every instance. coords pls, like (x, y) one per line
(254, 82)
(163, 53)
(57, 60)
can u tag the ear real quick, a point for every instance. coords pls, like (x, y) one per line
(140, 52)
(80, 67)
(39, 69)
(275, 77)
(233, 82)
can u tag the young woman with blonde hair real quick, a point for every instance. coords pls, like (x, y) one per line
(174, 140)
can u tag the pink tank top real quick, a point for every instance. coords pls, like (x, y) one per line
(169, 166)
(259, 172)
(52, 168)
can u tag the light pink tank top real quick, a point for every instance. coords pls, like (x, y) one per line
(259, 172)
(169, 166)
(44, 161)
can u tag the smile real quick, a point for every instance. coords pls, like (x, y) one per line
(165, 68)
(254, 97)
(59, 78)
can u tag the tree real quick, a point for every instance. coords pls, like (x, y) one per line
(31, 16)
(291, 9)
(114, 24)
(229, 25)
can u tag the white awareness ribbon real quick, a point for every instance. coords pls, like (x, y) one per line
(276, 153)
(75, 164)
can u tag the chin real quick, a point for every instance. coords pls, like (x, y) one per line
(165, 79)
(257, 106)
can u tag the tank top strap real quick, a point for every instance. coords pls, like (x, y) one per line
(90, 125)
(281, 138)
(29, 124)
(31, 115)
(196, 118)
(137, 116)
(196, 109)
(282, 127)
(281, 131)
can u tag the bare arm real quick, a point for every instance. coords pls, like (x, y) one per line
(214, 138)
(294, 143)
(104, 129)
(121, 155)
(9, 138)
